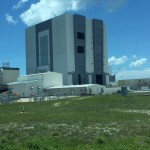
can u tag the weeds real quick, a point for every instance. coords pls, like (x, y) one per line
(93, 123)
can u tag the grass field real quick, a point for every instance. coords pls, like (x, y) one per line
(109, 122)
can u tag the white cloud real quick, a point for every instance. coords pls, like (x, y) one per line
(10, 19)
(113, 5)
(134, 74)
(117, 61)
(20, 4)
(138, 63)
(46, 9)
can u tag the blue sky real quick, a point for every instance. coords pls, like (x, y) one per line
(127, 21)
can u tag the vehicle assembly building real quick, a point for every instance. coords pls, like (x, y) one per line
(72, 45)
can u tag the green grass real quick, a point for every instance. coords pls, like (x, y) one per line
(109, 122)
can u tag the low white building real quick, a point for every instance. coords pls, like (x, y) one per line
(34, 84)
(84, 89)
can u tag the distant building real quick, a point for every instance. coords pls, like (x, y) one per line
(8, 75)
(135, 84)
(69, 44)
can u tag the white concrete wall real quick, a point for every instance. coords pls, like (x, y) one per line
(23, 89)
(107, 80)
(96, 89)
(18, 89)
(35, 85)
(90, 78)
(52, 79)
(106, 70)
(70, 43)
(89, 47)
(31, 50)
(59, 45)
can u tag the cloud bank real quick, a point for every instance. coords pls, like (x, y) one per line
(46, 9)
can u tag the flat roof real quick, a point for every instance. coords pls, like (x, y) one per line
(9, 68)
(22, 82)
(71, 86)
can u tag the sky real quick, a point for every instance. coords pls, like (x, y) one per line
(127, 22)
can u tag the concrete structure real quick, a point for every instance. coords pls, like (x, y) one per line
(8, 75)
(69, 44)
(34, 84)
(135, 84)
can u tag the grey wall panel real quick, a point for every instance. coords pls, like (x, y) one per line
(60, 46)
(80, 66)
(31, 66)
(46, 25)
(98, 50)
(44, 49)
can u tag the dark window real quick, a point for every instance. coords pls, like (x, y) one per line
(80, 35)
(80, 49)
(79, 79)
(99, 79)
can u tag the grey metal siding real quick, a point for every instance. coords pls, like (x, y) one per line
(31, 66)
(80, 76)
(98, 51)
(42, 27)
(44, 50)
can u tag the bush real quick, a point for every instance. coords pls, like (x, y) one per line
(100, 140)
(33, 144)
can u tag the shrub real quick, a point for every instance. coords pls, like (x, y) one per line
(33, 144)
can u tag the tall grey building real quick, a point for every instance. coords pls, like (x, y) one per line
(69, 44)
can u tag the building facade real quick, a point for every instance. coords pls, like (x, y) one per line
(69, 44)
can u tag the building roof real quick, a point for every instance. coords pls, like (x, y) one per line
(9, 68)
(22, 82)
(72, 86)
